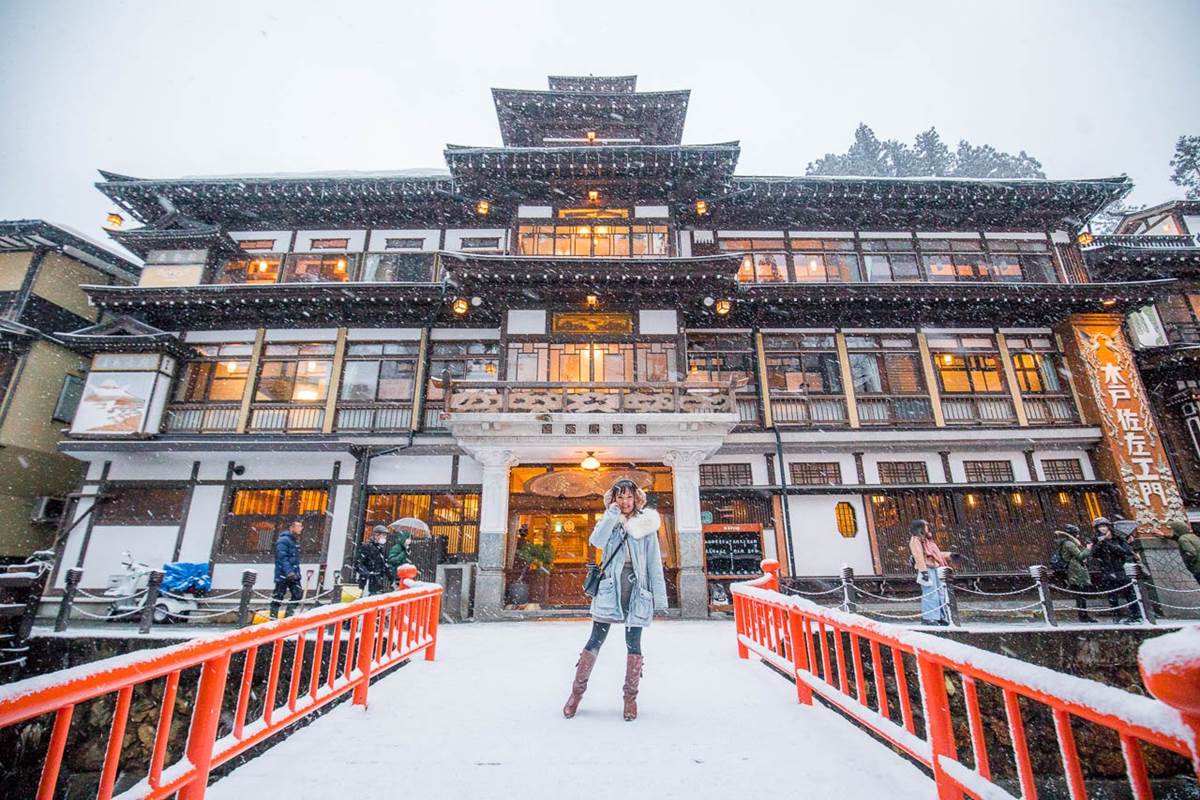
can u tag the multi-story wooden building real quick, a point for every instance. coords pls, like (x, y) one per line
(792, 366)
(42, 267)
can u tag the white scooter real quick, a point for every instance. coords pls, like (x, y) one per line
(126, 588)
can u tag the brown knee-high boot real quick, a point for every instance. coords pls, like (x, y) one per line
(633, 676)
(583, 671)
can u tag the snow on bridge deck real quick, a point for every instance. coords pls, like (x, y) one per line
(484, 721)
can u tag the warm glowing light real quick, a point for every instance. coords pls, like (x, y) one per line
(306, 394)
(460, 306)
(232, 366)
(583, 230)
(593, 196)
(263, 266)
(311, 366)
(1108, 302)
(592, 301)
(114, 220)
(877, 499)
(1085, 239)
(947, 358)
(971, 500)
(601, 230)
(482, 208)
(723, 307)
(341, 265)
(702, 207)
(591, 136)
(558, 526)
(1017, 499)
(590, 462)
(1064, 499)
(489, 368)
(812, 265)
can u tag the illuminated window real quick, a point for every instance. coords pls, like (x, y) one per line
(256, 516)
(847, 520)
(294, 373)
(451, 517)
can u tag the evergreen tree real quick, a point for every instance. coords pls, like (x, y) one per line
(929, 156)
(1186, 163)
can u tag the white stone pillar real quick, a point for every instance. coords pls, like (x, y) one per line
(493, 530)
(693, 587)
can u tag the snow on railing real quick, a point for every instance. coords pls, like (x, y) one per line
(364, 637)
(810, 643)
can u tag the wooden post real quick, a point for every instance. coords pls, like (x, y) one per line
(931, 381)
(1039, 576)
(1010, 375)
(249, 576)
(156, 578)
(335, 382)
(847, 379)
(849, 590)
(74, 576)
(764, 393)
(251, 380)
(1136, 576)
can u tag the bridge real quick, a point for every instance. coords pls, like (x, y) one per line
(871, 710)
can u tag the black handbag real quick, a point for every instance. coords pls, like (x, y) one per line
(591, 584)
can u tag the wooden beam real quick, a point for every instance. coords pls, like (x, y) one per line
(764, 394)
(418, 399)
(335, 382)
(1010, 375)
(260, 336)
(931, 381)
(847, 379)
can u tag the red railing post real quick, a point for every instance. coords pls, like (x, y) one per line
(366, 648)
(939, 729)
(206, 715)
(800, 655)
(739, 624)
(1170, 667)
(771, 567)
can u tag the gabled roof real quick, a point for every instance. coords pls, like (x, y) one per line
(1179, 206)
(27, 234)
(175, 231)
(1142, 256)
(609, 107)
(125, 334)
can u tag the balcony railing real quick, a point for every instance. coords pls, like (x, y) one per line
(894, 410)
(1183, 333)
(590, 398)
(1142, 241)
(373, 417)
(809, 409)
(286, 418)
(978, 410)
(201, 417)
(1049, 409)
(747, 410)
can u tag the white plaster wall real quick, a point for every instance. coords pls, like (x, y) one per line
(74, 540)
(378, 241)
(222, 337)
(151, 544)
(282, 239)
(454, 237)
(277, 466)
(932, 461)
(301, 335)
(528, 321)
(658, 322)
(204, 515)
(354, 245)
(155, 466)
(400, 470)
(818, 547)
(339, 510)
(469, 471)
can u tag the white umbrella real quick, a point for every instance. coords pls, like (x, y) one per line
(411, 524)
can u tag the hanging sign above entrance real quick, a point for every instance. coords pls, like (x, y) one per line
(579, 483)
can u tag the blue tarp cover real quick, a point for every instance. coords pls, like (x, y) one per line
(181, 576)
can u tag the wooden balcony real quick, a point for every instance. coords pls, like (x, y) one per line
(978, 410)
(900, 410)
(201, 417)
(790, 408)
(373, 417)
(590, 398)
(1050, 409)
(286, 418)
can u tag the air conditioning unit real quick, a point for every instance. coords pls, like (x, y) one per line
(47, 509)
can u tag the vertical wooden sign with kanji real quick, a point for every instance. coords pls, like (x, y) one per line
(1131, 453)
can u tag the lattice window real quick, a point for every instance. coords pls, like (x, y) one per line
(726, 475)
(903, 472)
(847, 520)
(823, 473)
(1062, 469)
(989, 471)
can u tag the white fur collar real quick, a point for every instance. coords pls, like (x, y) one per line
(643, 524)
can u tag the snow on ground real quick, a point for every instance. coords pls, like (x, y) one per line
(485, 720)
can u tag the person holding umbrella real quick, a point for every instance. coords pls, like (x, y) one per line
(403, 530)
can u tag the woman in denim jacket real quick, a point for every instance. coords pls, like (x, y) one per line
(631, 589)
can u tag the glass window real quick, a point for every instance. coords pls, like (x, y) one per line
(398, 267)
(314, 267)
(256, 516)
(896, 472)
(68, 398)
(824, 260)
(219, 374)
(1062, 469)
(463, 360)
(810, 365)
(259, 268)
(988, 471)
(823, 473)
(721, 358)
(141, 505)
(726, 475)
(294, 373)
(452, 517)
(604, 239)
(967, 364)
(370, 375)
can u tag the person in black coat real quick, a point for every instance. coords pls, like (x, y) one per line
(1110, 554)
(287, 569)
(372, 564)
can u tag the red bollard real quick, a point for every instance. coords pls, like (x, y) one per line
(1170, 667)
(771, 567)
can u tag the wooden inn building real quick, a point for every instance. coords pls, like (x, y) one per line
(793, 367)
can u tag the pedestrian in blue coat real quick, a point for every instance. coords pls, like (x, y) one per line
(287, 569)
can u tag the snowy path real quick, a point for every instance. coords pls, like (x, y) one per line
(484, 721)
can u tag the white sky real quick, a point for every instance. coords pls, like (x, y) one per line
(168, 88)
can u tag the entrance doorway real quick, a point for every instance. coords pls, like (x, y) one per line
(557, 507)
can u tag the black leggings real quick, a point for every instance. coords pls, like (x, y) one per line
(633, 638)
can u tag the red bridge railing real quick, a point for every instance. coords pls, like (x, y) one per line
(841, 658)
(336, 650)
